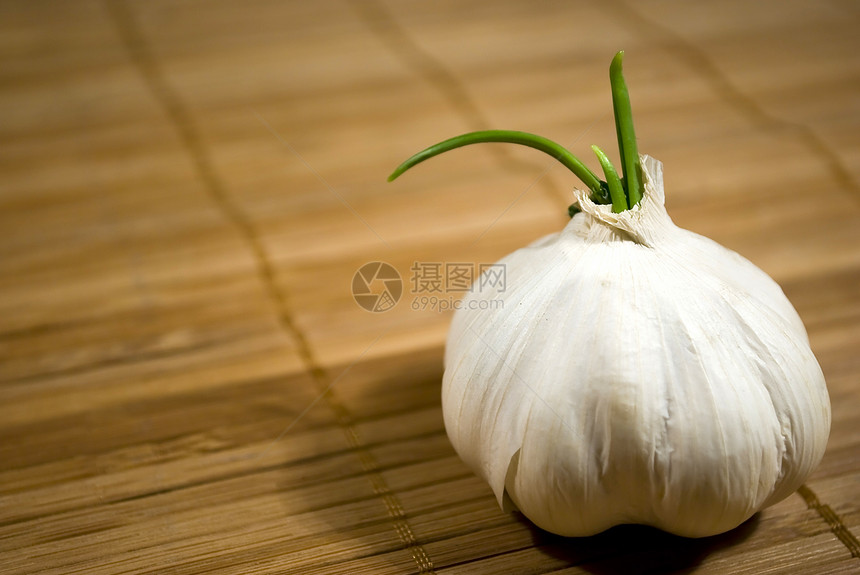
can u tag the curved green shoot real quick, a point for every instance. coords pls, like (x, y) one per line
(616, 190)
(622, 192)
(627, 148)
(509, 137)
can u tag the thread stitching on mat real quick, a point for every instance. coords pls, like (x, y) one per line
(140, 55)
(383, 24)
(836, 526)
(698, 60)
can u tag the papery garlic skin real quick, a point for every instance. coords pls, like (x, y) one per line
(636, 373)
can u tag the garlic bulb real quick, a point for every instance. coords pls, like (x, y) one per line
(636, 373)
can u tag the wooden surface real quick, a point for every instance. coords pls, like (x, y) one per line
(188, 188)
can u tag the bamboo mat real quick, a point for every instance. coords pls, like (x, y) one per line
(186, 382)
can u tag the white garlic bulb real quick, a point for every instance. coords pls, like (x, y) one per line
(635, 372)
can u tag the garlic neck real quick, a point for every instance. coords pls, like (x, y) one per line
(646, 223)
